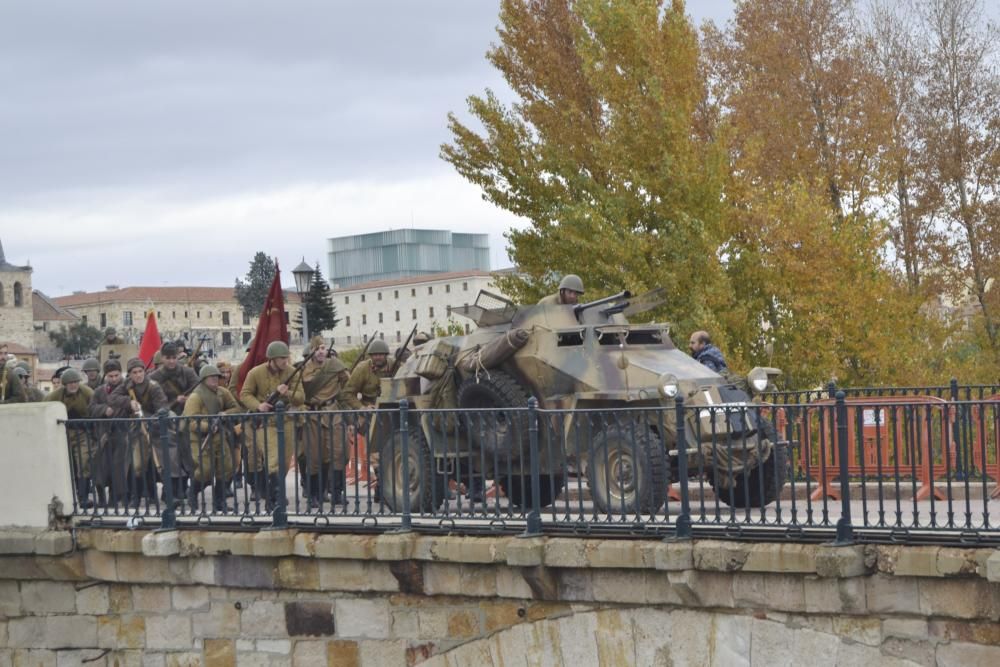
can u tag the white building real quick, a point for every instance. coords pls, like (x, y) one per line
(391, 308)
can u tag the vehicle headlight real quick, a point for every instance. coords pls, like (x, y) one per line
(758, 379)
(668, 385)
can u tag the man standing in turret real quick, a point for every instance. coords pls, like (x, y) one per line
(570, 291)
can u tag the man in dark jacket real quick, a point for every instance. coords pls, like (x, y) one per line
(705, 353)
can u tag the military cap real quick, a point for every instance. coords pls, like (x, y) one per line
(25, 365)
(112, 365)
(378, 346)
(277, 348)
(208, 370)
(21, 371)
(168, 350)
(316, 342)
(91, 364)
(71, 375)
(135, 362)
(421, 337)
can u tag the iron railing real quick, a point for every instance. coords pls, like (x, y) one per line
(905, 468)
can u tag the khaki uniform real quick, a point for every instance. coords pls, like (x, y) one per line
(366, 381)
(113, 461)
(11, 388)
(262, 441)
(175, 382)
(552, 299)
(324, 435)
(35, 395)
(212, 443)
(76, 434)
(95, 384)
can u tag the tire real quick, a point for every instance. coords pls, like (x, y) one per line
(519, 493)
(507, 436)
(746, 491)
(428, 489)
(624, 476)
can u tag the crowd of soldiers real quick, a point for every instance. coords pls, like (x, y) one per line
(118, 457)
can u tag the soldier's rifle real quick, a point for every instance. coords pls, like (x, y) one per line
(402, 348)
(364, 352)
(143, 432)
(197, 350)
(299, 367)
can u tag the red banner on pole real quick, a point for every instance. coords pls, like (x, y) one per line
(271, 327)
(151, 341)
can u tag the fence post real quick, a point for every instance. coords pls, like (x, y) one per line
(534, 526)
(404, 435)
(845, 530)
(279, 515)
(956, 435)
(831, 389)
(168, 518)
(683, 521)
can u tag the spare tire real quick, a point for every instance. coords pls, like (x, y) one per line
(501, 426)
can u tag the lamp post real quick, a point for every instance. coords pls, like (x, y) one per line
(303, 274)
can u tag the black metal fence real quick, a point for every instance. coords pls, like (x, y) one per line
(891, 468)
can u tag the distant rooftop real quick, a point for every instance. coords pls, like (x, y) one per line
(156, 295)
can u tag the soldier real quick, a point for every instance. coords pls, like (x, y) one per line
(265, 383)
(92, 369)
(363, 390)
(177, 380)
(324, 457)
(111, 337)
(76, 397)
(225, 372)
(213, 445)
(11, 388)
(35, 395)
(147, 398)
(570, 291)
(112, 464)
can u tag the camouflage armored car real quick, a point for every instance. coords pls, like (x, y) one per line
(606, 394)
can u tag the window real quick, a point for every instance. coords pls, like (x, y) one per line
(431, 310)
(380, 296)
(467, 329)
(397, 315)
(395, 294)
(246, 337)
(159, 316)
(227, 339)
(430, 289)
(381, 336)
(447, 289)
(448, 310)
(465, 287)
(362, 298)
(380, 318)
(347, 300)
(104, 320)
(84, 318)
(19, 297)
(246, 319)
(209, 314)
(364, 320)
(127, 318)
(225, 318)
(347, 321)
(364, 339)
(186, 315)
(399, 336)
(198, 314)
(413, 291)
(348, 340)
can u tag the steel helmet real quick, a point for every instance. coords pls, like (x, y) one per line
(571, 282)
(92, 365)
(71, 375)
(208, 370)
(277, 348)
(378, 346)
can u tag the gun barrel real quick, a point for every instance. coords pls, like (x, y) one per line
(580, 307)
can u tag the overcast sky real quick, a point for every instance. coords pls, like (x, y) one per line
(164, 142)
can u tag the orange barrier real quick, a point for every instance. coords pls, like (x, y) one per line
(358, 465)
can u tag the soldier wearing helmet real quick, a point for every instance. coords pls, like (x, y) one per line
(365, 384)
(177, 380)
(570, 291)
(76, 397)
(11, 388)
(264, 383)
(213, 443)
(111, 337)
(112, 463)
(34, 394)
(92, 369)
(324, 458)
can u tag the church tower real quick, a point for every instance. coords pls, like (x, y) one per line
(16, 315)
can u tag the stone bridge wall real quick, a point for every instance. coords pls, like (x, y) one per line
(117, 597)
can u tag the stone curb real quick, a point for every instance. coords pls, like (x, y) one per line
(26, 541)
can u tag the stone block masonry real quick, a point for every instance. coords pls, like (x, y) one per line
(299, 598)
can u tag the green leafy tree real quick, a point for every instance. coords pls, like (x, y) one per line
(251, 293)
(79, 339)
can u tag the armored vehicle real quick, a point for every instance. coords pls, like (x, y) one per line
(606, 392)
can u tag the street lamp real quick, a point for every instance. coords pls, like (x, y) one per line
(303, 281)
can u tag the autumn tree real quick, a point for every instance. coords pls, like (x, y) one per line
(602, 152)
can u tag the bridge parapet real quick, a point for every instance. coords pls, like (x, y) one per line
(296, 597)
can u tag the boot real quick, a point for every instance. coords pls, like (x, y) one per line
(219, 496)
(102, 496)
(83, 493)
(314, 492)
(192, 494)
(256, 481)
(275, 491)
(339, 487)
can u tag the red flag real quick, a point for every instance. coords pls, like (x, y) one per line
(151, 341)
(271, 327)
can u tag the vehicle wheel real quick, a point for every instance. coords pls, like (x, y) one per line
(427, 489)
(627, 476)
(519, 493)
(503, 431)
(748, 488)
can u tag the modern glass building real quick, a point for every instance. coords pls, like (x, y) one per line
(404, 253)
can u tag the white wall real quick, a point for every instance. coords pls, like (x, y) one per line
(35, 463)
